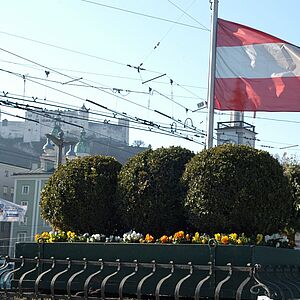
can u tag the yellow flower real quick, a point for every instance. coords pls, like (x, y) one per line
(239, 241)
(45, 235)
(70, 235)
(196, 238)
(37, 237)
(259, 238)
(233, 236)
(218, 237)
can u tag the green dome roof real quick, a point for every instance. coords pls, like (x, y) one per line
(57, 129)
(82, 147)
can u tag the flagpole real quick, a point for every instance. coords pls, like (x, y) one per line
(212, 71)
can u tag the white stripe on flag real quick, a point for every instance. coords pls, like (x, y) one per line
(258, 61)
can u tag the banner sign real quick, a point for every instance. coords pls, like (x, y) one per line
(11, 212)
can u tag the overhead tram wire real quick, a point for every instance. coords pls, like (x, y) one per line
(280, 120)
(147, 123)
(187, 90)
(157, 45)
(72, 95)
(70, 77)
(92, 56)
(108, 138)
(190, 16)
(55, 69)
(100, 74)
(144, 15)
(142, 121)
(58, 105)
(113, 89)
(256, 139)
(97, 74)
(263, 118)
(68, 50)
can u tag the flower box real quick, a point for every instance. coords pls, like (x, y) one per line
(221, 255)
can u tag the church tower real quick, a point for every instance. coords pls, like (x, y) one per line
(236, 131)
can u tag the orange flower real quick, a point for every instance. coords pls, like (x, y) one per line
(225, 239)
(187, 237)
(149, 238)
(179, 235)
(164, 239)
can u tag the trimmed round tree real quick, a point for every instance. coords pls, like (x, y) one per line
(237, 189)
(292, 171)
(150, 192)
(81, 195)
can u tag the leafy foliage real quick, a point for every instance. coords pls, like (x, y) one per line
(81, 195)
(292, 171)
(150, 192)
(237, 189)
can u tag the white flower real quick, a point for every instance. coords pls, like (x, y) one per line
(131, 236)
(275, 236)
(267, 238)
(96, 237)
(284, 239)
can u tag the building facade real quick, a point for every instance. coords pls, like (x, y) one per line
(28, 186)
(7, 193)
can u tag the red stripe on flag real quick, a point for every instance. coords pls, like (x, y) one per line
(233, 34)
(280, 94)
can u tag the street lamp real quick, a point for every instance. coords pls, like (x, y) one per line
(60, 143)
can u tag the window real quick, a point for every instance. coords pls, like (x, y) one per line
(24, 223)
(5, 188)
(24, 203)
(25, 189)
(2, 227)
(12, 190)
(21, 236)
(6, 173)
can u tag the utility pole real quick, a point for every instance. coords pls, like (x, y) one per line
(212, 72)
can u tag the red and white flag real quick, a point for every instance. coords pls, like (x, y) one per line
(255, 71)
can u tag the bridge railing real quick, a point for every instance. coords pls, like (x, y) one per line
(36, 278)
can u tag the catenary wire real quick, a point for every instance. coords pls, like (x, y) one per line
(145, 15)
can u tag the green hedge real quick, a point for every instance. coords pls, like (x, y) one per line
(81, 195)
(237, 189)
(150, 192)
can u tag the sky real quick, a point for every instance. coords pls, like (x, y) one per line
(91, 51)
